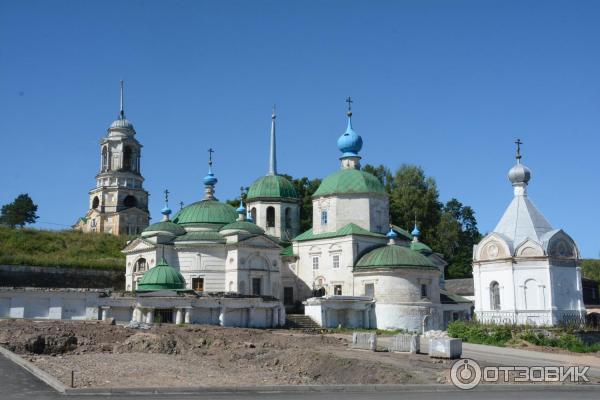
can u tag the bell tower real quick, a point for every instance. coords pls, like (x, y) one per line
(118, 204)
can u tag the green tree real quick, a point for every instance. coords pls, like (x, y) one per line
(20, 212)
(591, 269)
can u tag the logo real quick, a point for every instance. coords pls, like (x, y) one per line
(467, 374)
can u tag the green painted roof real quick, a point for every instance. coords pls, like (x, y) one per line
(161, 277)
(287, 252)
(394, 256)
(406, 234)
(272, 186)
(421, 247)
(165, 226)
(451, 298)
(350, 229)
(243, 226)
(206, 211)
(349, 181)
(204, 236)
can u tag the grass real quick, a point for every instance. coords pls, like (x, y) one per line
(506, 335)
(61, 249)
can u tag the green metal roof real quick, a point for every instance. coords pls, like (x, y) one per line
(421, 247)
(287, 252)
(402, 232)
(165, 226)
(206, 211)
(161, 277)
(451, 298)
(272, 186)
(394, 256)
(350, 181)
(204, 236)
(350, 229)
(243, 226)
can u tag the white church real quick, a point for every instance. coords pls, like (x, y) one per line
(525, 271)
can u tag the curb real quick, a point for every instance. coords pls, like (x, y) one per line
(35, 371)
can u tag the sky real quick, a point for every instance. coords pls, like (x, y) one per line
(446, 85)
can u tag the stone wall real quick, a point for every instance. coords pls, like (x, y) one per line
(58, 277)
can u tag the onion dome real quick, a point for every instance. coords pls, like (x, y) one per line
(205, 212)
(241, 210)
(519, 174)
(350, 143)
(394, 256)
(272, 187)
(416, 232)
(161, 277)
(391, 234)
(350, 181)
(241, 227)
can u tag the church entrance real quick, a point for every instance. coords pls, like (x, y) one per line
(163, 316)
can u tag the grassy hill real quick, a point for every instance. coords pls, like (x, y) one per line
(61, 249)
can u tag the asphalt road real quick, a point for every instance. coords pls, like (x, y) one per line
(18, 384)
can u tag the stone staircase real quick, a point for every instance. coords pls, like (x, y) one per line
(300, 321)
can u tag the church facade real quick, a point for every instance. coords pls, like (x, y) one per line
(118, 204)
(525, 271)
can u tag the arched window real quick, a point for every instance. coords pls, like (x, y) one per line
(95, 202)
(253, 214)
(288, 218)
(140, 265)
(495, 295)
(104, 158)
(127, 158)
(270, 217)
(129, 201)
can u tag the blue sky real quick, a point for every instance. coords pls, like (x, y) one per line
(447, 85)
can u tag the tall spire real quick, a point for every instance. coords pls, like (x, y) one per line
(122, 112)
(273, 149)
(209, 180)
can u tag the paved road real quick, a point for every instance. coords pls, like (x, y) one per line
(18, 384)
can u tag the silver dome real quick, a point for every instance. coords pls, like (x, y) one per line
(519, 174)
(121, 124)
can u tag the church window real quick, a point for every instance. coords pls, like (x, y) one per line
(323, 217)
(288, 218)
(129, 201)
(104, 159)
(140, 265)
(369, 289)
(198, 284)
(315, 262)
(270, 217)
(336, 261)
(256, 286)
(337, 290)
(495, 295)
(95, 202)
(127, 158)
(253, 214)
(424, 290)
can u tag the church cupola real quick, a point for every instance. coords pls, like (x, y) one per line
(519, 175)
(166, 211)
(121, 124)
(392, 236)
(209, 180)
(350, 143)
(416, 233)
(272, 199)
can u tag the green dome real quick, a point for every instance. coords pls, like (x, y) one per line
(161, 277)
(164, 226)
(206, 211)
(394, 256)
(243, 226)
(272, 186)
(349, 181)
(421, 247)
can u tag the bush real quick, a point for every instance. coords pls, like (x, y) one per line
(474, 332)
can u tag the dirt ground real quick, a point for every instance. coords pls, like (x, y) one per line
(104, 355)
